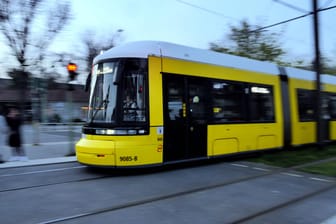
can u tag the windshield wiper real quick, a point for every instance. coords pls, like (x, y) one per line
(103, 103)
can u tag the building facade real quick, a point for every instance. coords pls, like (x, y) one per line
(46, 102)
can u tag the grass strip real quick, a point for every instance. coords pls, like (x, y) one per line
(326, 169)
(299, 156)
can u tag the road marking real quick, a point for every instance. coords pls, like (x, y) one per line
(239, 165)
(331, 220)
(320, 179)
(261, 169)
(292, 174)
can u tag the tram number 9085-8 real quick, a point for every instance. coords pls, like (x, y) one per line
(128, 158)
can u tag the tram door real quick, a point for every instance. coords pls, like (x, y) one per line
(185, 126)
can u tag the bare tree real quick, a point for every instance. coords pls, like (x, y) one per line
(94, 45)
(29, 27)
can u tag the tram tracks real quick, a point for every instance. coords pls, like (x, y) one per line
(329, 186)
(284, 204)
(184, 193)
(111, 175)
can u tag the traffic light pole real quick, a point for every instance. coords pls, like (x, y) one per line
(72, 70)
(71, 151)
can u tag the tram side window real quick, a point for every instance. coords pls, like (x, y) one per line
(306, 104)
(175, 102)
(261, 105)
(198, 100)
(228, 102)
(332, 107)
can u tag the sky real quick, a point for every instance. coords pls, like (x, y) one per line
(196, 23)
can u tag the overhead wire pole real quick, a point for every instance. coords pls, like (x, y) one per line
(317, 62)
(320, 135)
(317, 67)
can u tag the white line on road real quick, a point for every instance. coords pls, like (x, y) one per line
(331, 220)
(239, 165)
(320, 179)
(261, 169)
(292, 174)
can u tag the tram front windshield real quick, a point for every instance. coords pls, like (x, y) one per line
(118, 94)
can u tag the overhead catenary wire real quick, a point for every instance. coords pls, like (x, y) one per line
(282, 22)
(206, 10)
(290, 6)
(264, 27)
(290, 20)
(327, 3)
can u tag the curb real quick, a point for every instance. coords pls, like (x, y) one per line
(36, 162)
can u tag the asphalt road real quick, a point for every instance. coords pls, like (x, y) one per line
(223, 192)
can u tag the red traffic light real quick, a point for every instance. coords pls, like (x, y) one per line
(72, 67)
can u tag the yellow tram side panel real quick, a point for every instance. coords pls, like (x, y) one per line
(155, 91)
(121, 151)
(332, 128)
(302, 132)
(197, 69)
(232, 138)
(332, 124)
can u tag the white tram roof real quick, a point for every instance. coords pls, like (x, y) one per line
(300, 73)
(331, 79)
(143, 49)
(309, 75)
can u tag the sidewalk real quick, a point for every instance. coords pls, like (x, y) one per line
(36, 162)
(53, 146)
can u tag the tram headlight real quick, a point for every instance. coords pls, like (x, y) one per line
(110, 132)
(101, 131)
(132, 132)
(119, 132)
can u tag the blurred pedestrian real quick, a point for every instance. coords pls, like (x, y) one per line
(14, 140)
(3, 130)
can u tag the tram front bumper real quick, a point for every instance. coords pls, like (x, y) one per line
(96, 152)
(119, 151)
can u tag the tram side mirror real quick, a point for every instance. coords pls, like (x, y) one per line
(87, 82)
(116, 78)
(117, 75)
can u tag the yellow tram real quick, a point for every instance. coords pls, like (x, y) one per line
(153, 103)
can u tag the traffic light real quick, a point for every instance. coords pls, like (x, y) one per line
(72, 68)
